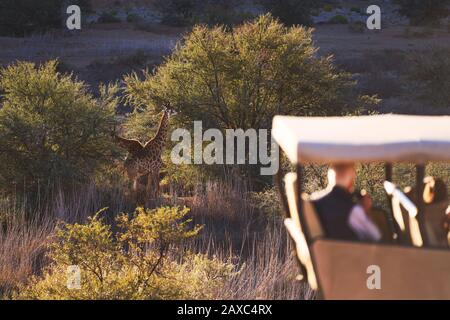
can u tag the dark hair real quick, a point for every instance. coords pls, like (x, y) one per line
(435, 190)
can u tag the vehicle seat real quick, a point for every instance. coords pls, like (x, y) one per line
(436, 202)
(379, 218)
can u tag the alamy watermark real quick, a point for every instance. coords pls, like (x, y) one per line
(374, 20)
(374, 280)
(236, 147)
(73, 277)
(73, 21)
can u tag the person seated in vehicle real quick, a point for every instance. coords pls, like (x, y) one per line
(435, 198)
(341, 215)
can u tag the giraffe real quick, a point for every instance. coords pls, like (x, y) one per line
(144, 163)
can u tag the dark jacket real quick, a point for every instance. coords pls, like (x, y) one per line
(334, 210)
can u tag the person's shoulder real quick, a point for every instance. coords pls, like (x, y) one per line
(319, 195)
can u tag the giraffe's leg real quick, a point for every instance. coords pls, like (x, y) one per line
(156, 183)
(139, 187)
(135, 191)
(152, 191)
(149, 191)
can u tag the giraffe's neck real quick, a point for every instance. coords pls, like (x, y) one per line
(161, 134)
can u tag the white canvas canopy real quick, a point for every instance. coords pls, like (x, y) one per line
(379, 138)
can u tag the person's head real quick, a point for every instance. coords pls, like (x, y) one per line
(343, 174)
(434, 191)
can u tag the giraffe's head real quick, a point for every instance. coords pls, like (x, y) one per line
(169, 110)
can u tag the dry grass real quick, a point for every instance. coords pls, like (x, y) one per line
(258, 244)
(234, 231)
(21, 247)
(24, 232)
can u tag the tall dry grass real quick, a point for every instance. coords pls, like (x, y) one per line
(234, 230)
(238, 230)
(26, 229)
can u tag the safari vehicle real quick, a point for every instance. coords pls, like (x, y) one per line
(411, 266)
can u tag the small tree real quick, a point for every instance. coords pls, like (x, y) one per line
(241, 79)
(51, 128)
(424, 11)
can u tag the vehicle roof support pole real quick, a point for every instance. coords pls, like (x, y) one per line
(301, 214)
(279, 182)
(393, 226)
(420, 175)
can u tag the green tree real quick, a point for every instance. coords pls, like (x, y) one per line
(51, 128)
(241, 79)
(144, 260)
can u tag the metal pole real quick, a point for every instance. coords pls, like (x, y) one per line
(393, 226)
(420, 175)
(282, 192)
(305, 227)
(301, 215)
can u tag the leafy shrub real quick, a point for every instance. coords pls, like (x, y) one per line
(51, 128)
(267, 202)
(242, 78)
(424, 11)
(139, 262)
(431, 75)
(338, 19)
(292, 12)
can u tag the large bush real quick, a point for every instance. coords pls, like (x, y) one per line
(51, 128)
(142, 261)
(241, 79)
(424, 11)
